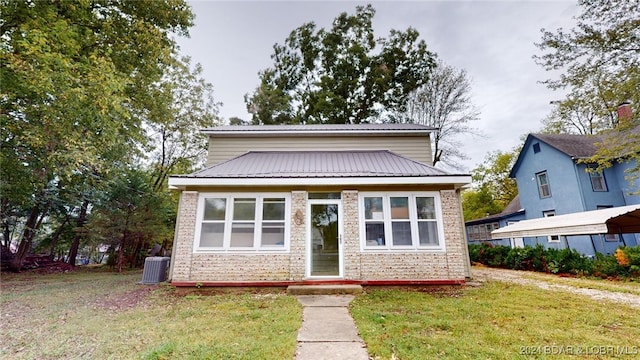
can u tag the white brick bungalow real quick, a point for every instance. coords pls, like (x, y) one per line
(298, 204)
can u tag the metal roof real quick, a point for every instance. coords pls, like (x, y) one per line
(328, 129)
(318, 164)
(616, 220)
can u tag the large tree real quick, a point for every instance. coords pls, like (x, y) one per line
(444, 103)
(340, 75)
(74, 94)
(493, 189)
(599, 63)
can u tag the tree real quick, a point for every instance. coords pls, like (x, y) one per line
(493, 175)
(340, 75)
(74, 93)
(478, 203)
(444, 103)
(129, 214)
(183, 106)
(493, 188)
(600, 64)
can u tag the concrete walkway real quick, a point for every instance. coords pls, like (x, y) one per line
(328, 331)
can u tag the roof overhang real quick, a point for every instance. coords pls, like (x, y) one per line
(456, 180)
(616, 220)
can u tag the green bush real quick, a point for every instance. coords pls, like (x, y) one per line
(626, 262)
(606, 266)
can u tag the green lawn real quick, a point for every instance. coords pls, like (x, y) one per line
(495, 321)
(101, 315)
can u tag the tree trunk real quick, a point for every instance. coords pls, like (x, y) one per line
(121, 250)
(27, 239)
(82, 219)
(56, 236)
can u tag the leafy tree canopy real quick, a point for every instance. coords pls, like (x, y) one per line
(599, 61)
(75, 95)
(340, 75)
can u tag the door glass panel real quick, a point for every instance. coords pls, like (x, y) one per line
(325, 255)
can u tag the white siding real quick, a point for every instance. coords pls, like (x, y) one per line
(417, 148)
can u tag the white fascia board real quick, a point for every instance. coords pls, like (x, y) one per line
(427, 180)
(317, 132)
(564, 230)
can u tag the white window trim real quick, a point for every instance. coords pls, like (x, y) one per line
(551, 238)
(413, 218)
(256, 248)
(603, 182)
(548, 184)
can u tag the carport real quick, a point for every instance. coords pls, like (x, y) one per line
(616, 220)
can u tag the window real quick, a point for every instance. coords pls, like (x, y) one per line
(536, 148)
(242, 223)
(550, 213)
(608, 237)
(597, 181)
(543, 184)
(402, 221)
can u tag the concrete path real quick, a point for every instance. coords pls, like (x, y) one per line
(328, 331)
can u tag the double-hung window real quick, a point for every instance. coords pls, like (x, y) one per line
(598, 182)
(543, 184)
(240, 222)
(401, 221)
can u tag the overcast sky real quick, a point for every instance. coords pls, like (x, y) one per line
(493, 41)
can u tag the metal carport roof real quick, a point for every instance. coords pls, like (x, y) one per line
(616, 220)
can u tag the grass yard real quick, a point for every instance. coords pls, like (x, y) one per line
(95, 314)
(629, 287)
(102, 315)
(494, 321)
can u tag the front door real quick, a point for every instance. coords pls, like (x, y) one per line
(324, 239)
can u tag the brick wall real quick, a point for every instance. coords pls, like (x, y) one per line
(351, 235)
(188, 266)
(298, 234)
(183, 246)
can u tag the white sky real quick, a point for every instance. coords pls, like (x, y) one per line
(492, 40)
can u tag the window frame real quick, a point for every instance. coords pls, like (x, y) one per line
(551, 238)
(593, 175)
(258, 223)
(540, 185)
(387, 220)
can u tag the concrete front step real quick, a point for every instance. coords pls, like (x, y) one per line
(324, 289)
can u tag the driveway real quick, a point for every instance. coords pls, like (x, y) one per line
(483, 274)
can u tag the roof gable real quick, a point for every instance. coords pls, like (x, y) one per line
(574, 146)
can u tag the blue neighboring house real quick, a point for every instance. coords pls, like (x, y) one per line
(479, 230)
(552, 181)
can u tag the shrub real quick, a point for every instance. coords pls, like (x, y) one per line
(625, 263)
(607, 266)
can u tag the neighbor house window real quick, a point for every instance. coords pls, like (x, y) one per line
(608, 237)
(597, 180)
(241, 222)
(550, 213)
(543, 184)
(401, 221)
(536, 148)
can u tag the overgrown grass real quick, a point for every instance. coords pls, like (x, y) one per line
(101, 315)
(495, 321)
